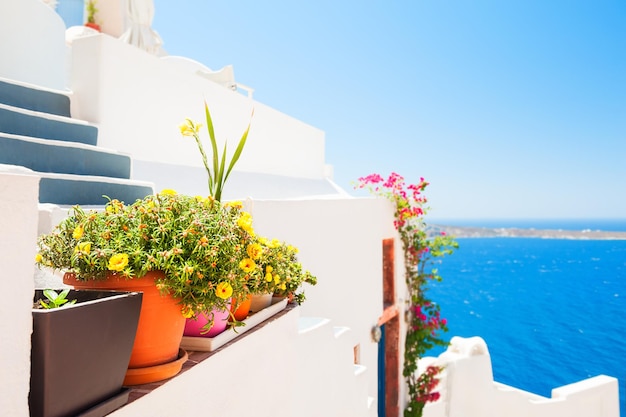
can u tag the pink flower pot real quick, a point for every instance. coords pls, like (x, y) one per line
(193, 327)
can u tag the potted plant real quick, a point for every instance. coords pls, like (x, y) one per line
(263, 255)
(204, 324)
(273, 269)
(182, 252)
(80, 348)
(91, 15)
(293, 276)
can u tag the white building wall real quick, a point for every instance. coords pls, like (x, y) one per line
(468, 390)
(160, 95)
(18, 233)
(35, 52)
(340, 241)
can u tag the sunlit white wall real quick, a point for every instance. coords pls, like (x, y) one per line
(18, 232)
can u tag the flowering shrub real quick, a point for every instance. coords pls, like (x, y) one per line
(198, 242)
(421, 251)
(275, 268)
(425, 387)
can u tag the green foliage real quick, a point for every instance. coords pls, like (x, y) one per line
(218, 173)
(55, 300)
(275, 268)
(91, 11)
(197, 242)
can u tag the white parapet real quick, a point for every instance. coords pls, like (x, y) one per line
(468, 390)
(32, 44)
(18, 232)
(158, 95)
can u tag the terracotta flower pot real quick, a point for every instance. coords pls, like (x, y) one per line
(161, 323)
(93, 26)
(243, 310)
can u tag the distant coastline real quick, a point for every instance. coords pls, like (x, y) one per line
(481, 232)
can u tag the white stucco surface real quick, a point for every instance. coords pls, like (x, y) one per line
(18, 232)
(25, 55)
(467, 389)
(138, 101)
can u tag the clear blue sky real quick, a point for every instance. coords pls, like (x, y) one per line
(510, 108)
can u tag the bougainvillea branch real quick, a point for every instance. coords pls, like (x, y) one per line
(421, 252)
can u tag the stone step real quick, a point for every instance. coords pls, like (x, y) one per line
(31, 97)
(68, 189)
(47, 155)
(17, 121)
(86, 190)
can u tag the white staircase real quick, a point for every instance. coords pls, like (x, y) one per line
(325, 392)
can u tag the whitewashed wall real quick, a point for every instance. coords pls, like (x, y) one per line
(340, 241)
(18, 232)
(139, 101)
(468, 390)
(32, 44)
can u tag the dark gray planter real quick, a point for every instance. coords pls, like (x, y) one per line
(80, 353)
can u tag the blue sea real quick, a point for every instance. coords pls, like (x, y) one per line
(551, 311)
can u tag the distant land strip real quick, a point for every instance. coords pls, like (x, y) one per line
(468, 232)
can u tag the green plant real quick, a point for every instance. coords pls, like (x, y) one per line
(55, 300)
(198, 242)
(91, 11)
(218, 174)
(273, 267)
(422, 251)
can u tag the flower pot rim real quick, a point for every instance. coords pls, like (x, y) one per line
(107, 295)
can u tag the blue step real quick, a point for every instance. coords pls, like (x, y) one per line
(44, 155)
(34, 98)
(41, 125)
(38, 135)
(68, 190)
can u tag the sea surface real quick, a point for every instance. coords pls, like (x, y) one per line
(551, 311)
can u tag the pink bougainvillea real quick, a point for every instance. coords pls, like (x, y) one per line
(421, 249)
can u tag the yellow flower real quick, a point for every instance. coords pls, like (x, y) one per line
(245, 221)
(114, 206)
(187, 312)
(83, 247)
(234, 204)
(276, 279)
(247, 265)
(224, 290)
(269, 269)
(254, 251)
(78, 232)
(189, 127)
(168, 191)
(38, 258)
(118, 262)
(268, 277)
